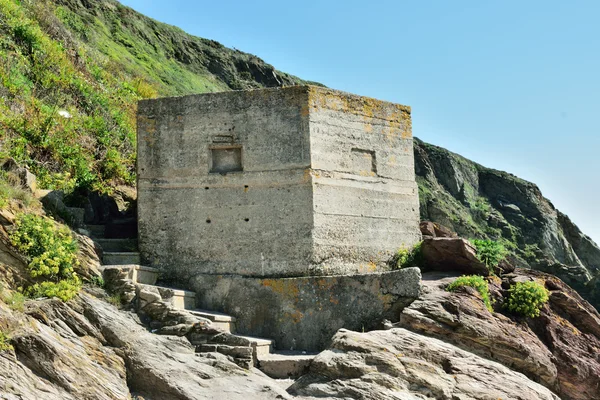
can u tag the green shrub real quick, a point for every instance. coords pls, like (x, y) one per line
(51, 250)
(405, 258)
(475, 281)
(64, 289)
(4, 343)
(52, 255)
(527, 298)
(489, 252)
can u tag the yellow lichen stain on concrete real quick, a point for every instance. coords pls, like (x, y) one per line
(368, 268)
(367, 107)
(305, 111)
(307, 174)
(286, 288)
(325, 284)
(386, 298)
(147, 125)
(295, 316)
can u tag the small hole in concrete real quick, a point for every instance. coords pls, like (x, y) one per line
(206, 188)
(246, 219)
(245, 186)
(208, 221)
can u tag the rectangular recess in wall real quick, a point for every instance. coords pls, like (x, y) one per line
(225, 159)
(364, 162)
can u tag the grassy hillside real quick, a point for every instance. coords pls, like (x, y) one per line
(71, 72)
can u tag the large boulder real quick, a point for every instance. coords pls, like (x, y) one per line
(451, 254)
(88, 349)
(399, 364)
(559, 349)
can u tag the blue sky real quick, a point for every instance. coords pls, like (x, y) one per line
(513, 85)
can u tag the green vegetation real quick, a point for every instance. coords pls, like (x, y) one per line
(14, 300)
(490, 252)
(405, 258)
(71, 76)
(115, 300)
(527, 298)
(73, 129)
(475, 281)
(52, 256)
(97, 281)
(64, 289)
(4, 343)
(10, 189)
(463, 195)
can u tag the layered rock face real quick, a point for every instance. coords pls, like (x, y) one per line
(478, 202)
(559, 349)
(88, 349)
(399, 364)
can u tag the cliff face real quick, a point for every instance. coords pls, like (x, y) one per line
(480, 202)
(72, 72)
(173, 61)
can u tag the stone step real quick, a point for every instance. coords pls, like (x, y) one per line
(97, 231)
(220, 320)
(120, 258)
(262, 347)
(121, 228)
(118, 245)
(285, 364)
(138, 273)
(182, 299)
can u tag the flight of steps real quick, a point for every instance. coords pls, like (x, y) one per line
(122, 252)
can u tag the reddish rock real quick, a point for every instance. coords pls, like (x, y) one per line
(433, 229)
(451, 254)
(560, 349)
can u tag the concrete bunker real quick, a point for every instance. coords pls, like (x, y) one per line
(274, 184)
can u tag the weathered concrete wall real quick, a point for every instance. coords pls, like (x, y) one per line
(278, 182)
(251, 222)
(365, 197)
(304, 313)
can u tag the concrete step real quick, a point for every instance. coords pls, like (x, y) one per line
(120, 258)
(118, 245)
(97, 231)
(182, 299)
(262, 347)
(121, 228)
(138, 273)
(285, 364)
(220, 320)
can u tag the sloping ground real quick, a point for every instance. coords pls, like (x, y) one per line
(445, 346)
(479, 202)
(173, 61)
(72, 71)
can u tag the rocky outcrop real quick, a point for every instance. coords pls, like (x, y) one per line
(452, 254)
(88, 349)
(478, 202)
(559, 349)
(399, 364)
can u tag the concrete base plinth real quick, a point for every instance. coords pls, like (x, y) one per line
(303, 313)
